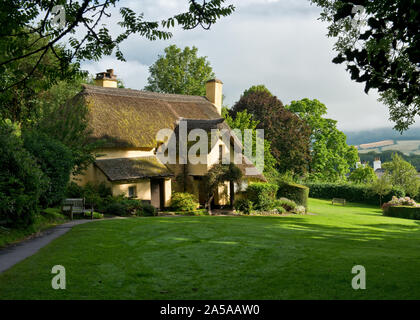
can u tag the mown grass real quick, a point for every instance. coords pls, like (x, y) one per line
(292, 257)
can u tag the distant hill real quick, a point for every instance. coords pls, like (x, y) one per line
(371, 136)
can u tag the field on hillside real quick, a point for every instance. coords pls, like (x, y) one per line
(405, 146)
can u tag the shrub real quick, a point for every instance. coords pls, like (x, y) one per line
(56, 162)
(296, 192)
(280, 210)
(182, 201)
(350, 192)
(299, 210)
(406, 212)
(146, 210)
(243, 205)
(262, 195)
(21, 180)
(116, 208)
(287, 204)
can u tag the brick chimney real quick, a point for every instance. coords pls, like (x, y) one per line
(106, 79)
(214, 93)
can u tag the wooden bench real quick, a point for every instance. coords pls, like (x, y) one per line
(76, 206)
(339, 200)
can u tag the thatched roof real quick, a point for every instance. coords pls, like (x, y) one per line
(130, 169)
(128, 118)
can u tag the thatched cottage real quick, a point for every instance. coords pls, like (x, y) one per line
(127, 122)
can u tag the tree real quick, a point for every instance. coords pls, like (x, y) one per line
(381, 186)
(331, 157)
(363, 174)
(21, 179)
(243, 121)
(56, 162)
(402, 174)
(180, 71)
(257, 88)
(63, 116)
(288, 134)
(216, 177)
(379, 42)
(33, 29)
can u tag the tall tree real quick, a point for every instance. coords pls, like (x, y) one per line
(32, 29)
(180, 71)
(402, 174)
(288, 134)
(243, 121)
(363, 174)
(332, 158)
(380, 44)
(381, 186)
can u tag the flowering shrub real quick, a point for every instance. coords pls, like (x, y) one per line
(299, 210)
(403, 201)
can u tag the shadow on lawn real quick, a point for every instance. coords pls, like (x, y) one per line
(360, 232)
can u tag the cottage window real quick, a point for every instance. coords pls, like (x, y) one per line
(132, 192)
(220, 153)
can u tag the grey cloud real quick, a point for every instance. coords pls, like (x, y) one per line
(281, 44)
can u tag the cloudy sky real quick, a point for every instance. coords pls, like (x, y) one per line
(278, 43)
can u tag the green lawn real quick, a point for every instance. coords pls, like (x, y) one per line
(292, 257)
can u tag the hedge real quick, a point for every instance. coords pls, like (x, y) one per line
(405, 212)
(262, 195)
(296, 192)
(350, 192)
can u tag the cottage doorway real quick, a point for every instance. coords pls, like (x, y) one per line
(157, 193)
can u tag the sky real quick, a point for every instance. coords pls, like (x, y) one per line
(278, 43)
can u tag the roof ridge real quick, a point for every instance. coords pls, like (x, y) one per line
(125, 92)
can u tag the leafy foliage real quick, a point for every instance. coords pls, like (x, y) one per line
(21, 180)
(331, 157)
(293, 191)
(363, 174)
(180, 71)
(257, 88)
(88, 38)
(350, 192)
(402, 174)
(379, 42)
(242, 121)
(64, 117)
(55, 161)
(406, 212)
(243, 205)
(288, 134)
(286, 204)
(262, 195)
(183, 201)
(381, 186)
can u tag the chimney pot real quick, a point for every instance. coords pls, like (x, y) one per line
(106, 79)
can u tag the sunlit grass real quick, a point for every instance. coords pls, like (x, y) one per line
(292, 257)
